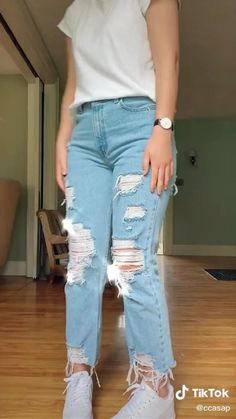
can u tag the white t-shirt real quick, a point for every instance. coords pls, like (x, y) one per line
(111, 49)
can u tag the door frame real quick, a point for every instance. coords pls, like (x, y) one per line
(33, 174)
(20, 37)
(49, 198)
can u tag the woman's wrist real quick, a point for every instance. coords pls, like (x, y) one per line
(61, 140)
(164, 133)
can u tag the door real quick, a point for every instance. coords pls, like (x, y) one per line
(34, 175)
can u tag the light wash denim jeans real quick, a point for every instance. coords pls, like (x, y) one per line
(108, 201)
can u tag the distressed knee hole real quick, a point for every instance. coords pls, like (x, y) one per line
(126, 184)
(126, 256)
(127, 260)
(134, 212)
(81, 250)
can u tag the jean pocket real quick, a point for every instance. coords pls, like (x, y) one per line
(137, 104)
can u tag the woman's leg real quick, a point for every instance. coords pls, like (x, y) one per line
(137, 220)
(88, 222)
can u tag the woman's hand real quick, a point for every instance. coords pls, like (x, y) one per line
(61, 164)
(158, 154)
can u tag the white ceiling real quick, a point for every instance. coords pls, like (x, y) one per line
(208, 52)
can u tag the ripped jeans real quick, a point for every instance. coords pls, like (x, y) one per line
(108, 201)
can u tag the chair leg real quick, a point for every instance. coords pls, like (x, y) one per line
(51, 277)
(57, 271)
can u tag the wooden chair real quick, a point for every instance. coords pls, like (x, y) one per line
(55, 241)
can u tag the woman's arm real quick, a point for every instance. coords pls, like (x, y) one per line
(162, 23)
(163, 31)
(66, 121)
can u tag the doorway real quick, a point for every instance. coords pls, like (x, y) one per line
(23, 118)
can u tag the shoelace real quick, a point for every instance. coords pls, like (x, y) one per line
(131, 407)
(76, 394)
(135, 387)
(96, 375)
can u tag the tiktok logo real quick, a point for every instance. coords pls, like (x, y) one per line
(202, 392)
(180, 394)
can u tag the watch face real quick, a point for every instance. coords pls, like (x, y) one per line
(166, 123)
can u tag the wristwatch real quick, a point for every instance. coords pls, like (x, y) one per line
(165, 123)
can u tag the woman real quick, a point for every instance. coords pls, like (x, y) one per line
(116, 163)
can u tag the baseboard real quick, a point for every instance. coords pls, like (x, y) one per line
(14, 268)
(202, 250)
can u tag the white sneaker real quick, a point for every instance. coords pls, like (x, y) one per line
(146, 404)
(78, 401)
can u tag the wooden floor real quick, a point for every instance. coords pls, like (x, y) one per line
(32, 353)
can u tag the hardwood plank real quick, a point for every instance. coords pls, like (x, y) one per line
(32, 353)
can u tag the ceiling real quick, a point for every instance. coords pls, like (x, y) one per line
(46, 14)
(208, 46)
